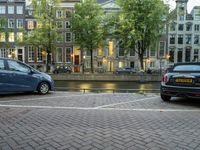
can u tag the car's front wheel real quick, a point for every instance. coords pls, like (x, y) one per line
(165, 97)
(43, 88)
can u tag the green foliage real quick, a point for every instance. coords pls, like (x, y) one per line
(141, 23)
(87, 27)
(44, 13)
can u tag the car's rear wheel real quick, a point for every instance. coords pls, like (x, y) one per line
(43, 88)
(165, 97)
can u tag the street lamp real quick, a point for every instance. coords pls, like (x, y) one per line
(84, 63)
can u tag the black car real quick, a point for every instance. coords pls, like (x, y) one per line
(182, 80)
(62, 69)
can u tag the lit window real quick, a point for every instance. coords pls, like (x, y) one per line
(121, 64)
(2, 37)
(100, 51)
(30, 25)
(19, 36)
(11, 37)
(110, 48)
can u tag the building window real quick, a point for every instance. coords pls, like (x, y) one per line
(20, 10)
(11, 37)
(189, 27)
(59, 13)
(100, 51)
(152, 64)
(59, 54)
(39, 25)
(180, 39)
(2, 9)
(171, 54)
(59, 37)
(11, 23)
(68, 53)
(99, 64)
(181, 27)
(39, 55)
(121, 49)
(196, 55)
(196, 39)
(180, 55)
(67, 25)
(19, 36)
(187, 54)
(188, 38)
(2, 52)
(30, 25)
(68, 37)
(145, 53)
(172, 39)
(121, 64)
(11, 10)
(31, 54)
(173, 26)
(19, 23)
(110, 48)
(20, 54)
(2, 37)
(152, 52)
(67, 13)
(196, 27)
(181, 17)
(59, 24)
(162, 49)
(132, 52)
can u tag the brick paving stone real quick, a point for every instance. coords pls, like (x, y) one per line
(45, 128)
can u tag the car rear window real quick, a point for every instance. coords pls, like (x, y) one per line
(195, 68)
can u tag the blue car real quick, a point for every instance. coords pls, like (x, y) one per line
(16, 76)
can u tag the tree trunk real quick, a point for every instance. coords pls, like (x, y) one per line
(91, 63)
(141, 61)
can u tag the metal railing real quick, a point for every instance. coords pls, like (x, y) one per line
(105, 90)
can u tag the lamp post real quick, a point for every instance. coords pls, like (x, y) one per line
(83, 64)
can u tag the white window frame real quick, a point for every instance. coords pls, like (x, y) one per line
(19, 10)
(20, 23)
(2, 9)
(31, 54)
(11, 23)
(2, 37)
(11, 37)
(11, 9)
(67, 37)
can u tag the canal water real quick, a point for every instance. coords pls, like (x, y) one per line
(112, 85)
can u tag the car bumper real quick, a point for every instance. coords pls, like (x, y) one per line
(177, 91)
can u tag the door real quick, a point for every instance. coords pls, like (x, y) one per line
(20, 77)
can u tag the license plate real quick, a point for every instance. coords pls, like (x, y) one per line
(184, 80)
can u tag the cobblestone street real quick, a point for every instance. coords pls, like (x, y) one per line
(98, 121)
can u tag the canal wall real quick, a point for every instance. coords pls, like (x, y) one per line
(107, 77)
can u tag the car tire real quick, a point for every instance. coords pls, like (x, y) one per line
(43, 88)
(165, 97)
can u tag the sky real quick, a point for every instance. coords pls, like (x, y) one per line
(190, 5)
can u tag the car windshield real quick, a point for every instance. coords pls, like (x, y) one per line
(195, 68)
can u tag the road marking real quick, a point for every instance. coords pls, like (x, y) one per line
(106, 109)
(33, 99)
(102, 106)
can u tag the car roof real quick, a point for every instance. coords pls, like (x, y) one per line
(189, 63)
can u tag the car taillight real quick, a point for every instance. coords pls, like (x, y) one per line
(165, 78)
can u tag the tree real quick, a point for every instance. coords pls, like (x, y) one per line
(142, 22)
(4, 32)
(87, 27)
(45, 35)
